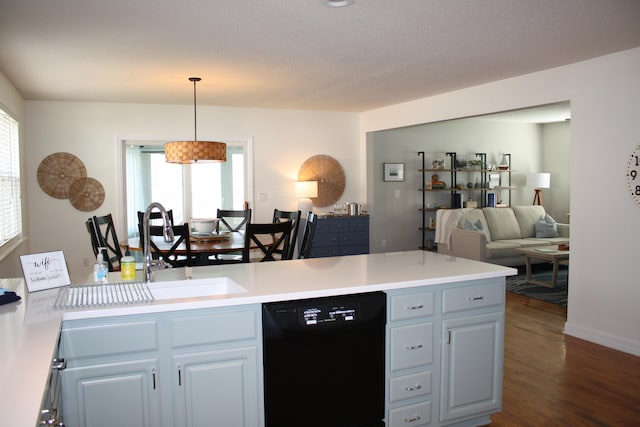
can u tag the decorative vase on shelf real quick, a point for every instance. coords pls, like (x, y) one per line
(504, 164)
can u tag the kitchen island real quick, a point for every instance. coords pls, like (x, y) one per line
(31, 328)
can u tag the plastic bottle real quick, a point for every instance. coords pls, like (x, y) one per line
(128, 266)
(100, 268)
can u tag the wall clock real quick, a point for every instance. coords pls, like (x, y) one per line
(633, 175)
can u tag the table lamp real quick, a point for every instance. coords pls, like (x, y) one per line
(538, 181)
(305, 191)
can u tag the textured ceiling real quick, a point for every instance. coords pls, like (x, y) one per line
(296, 54)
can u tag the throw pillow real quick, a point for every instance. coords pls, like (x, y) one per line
(473, 227)
(546, 227)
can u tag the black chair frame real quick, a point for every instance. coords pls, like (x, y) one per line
(279, 232)
(293, 217)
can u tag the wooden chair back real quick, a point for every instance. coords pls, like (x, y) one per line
(233, 220)
(108, 238)
(170, 255)
(307, 236)
(268, 239)
(293, 217)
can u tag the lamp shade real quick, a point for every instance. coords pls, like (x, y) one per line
(184, 152)
(306, 189)
(539, 180)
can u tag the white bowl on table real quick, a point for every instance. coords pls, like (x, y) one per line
(204, 225)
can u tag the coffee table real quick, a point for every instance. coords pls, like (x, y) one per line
(548, 253)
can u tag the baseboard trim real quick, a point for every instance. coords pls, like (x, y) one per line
(601, 338)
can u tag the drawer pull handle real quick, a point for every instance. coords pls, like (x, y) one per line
(415, 307)
(413, 387)
(413, 347)
(412, 420)
(478, 298)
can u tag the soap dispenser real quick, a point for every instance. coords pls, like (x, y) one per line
(100, 268)
(128, 266)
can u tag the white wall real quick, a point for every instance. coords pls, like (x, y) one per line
(556, 161)
(282, 141)
(605, 103)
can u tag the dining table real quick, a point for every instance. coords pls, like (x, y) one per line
(205, 247)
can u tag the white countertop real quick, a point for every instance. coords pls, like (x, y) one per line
(29, 329)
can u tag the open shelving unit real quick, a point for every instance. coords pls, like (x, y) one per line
(478, 193)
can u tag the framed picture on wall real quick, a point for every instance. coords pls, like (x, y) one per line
(393, 172)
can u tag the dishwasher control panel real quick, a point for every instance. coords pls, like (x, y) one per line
(323, 314)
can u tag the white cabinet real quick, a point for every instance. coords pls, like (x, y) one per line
(410, 358)
(112, 394)
(445, 354)
(189, 368)
(472, 351)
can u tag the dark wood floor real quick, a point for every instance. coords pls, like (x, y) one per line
(555, 380)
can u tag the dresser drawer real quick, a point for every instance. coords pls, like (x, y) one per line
(471, 297)
(408, 386)
(326, 239)
(411, 415)
(354, 238)
(411, 346)
(359, 224)
(410, 306)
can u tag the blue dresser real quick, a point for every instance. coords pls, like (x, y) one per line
(345, 235)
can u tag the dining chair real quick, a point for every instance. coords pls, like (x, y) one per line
(307, 237)
(107, 237)
(262, 241)
(293, 217)
(173, 255)
(154, 216)
(92, 236)
(233, 220)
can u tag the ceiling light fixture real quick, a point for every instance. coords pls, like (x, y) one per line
(338, 3)
(184, 152)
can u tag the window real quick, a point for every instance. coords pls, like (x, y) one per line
(191, 191)
(10, 200)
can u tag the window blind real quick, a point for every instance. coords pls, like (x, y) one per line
(10, 198)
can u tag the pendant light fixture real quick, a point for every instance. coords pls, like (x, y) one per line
(183, 152)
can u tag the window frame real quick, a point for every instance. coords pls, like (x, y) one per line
(122, 142)
(16, 171)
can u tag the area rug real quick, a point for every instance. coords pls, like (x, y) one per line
(557, 295)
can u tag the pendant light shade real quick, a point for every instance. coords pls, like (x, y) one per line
(183, 152)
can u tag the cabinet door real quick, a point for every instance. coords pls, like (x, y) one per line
(217, 388)
(114, 394)
(472, 355)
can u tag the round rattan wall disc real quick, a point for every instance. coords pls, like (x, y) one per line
(86, 194)
(330, 176)
(58, 171)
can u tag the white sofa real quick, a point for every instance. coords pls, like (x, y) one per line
(491, 234)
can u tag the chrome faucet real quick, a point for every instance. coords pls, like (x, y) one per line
(167, 234)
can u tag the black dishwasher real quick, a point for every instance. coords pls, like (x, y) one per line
(324, 361)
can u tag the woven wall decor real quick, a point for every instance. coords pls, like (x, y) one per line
(58, 171)
(330, 176)
(86, 194)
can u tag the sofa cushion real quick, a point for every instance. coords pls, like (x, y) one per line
(546, 227)
(526, 243)
(527, 217)
(497, 250)
(475, 217)
(502, 223)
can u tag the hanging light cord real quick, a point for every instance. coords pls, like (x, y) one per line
(195, 116)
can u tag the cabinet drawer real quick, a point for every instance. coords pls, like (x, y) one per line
(354, 250)
(354, 238)
(408, 386)
(110, 339)
(411, 416)
(324, 251)
(411, 346)
(326, 239)
(214, 328)
(411, 306)
(340, 225)
(470, 297)
(359, 224)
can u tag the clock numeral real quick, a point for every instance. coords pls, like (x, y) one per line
(633, 174)
(637, 161)
(637, 192)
